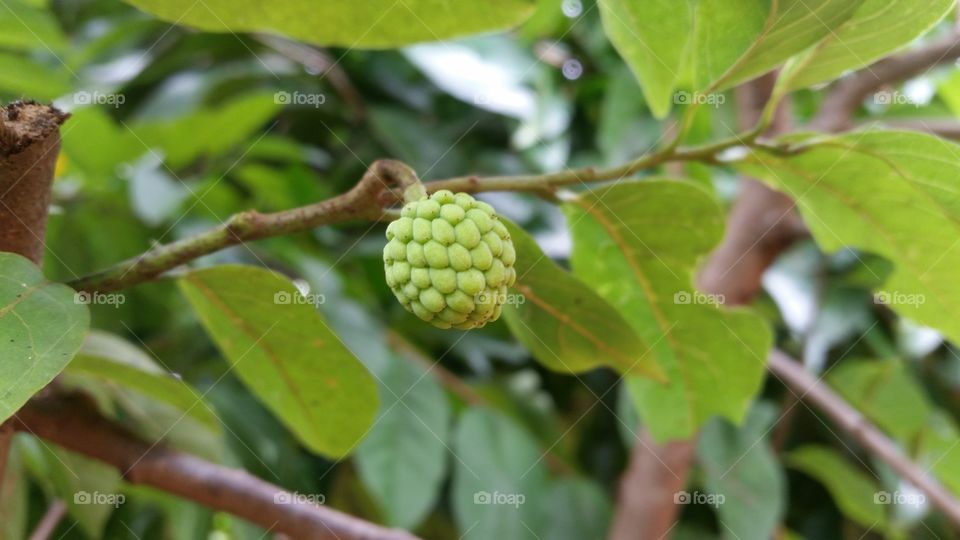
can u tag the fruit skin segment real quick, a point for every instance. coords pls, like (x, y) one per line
(449, 260)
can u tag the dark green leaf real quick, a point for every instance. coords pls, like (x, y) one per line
(42, 325)
(499, 476)
(403, 460)
(740, 465)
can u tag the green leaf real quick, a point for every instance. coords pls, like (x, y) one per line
(790, 27)
(654, 39)
(117, 362)
(41, 327)
(403, 460)
(498, 480)
(89, 488)
(574, 509)
(283, 350)
(22, 76)
(26, 27)
(740, 465)
(207, 132)
(638, 244)
(878, 28)
(938, 447)
(722, 42)
(566, 325)
(14, 497)
(889, 193)
(885, 392)
(368, 24)
(852, 490)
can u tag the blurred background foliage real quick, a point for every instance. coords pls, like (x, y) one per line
(174, 130)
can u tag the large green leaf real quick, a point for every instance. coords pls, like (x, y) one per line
(721, 42)
(637, 244)
(890, 193)
(653, 37)
(367, 24)
(878, 28)
(852, 489)
(403, 460)
(740, 465)
(566, 325)
(42, 325)
(499, 478)
(286, 354)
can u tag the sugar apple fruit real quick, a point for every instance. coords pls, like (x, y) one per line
(449, 260)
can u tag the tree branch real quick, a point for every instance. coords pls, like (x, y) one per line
(48, 524)
(808, 388)
(837, 110)
(367, 200)
(29, 146)
(73, 423)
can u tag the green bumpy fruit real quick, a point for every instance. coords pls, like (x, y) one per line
(449, 260)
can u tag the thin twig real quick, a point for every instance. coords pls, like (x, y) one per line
(367, 200)
(48, 525)
(809, 389)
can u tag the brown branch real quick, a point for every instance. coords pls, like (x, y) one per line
(29, 146)
(809, 389)
(73, 423)
(837, 110)
(48, 524)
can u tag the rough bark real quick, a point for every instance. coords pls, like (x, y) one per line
(29, 145)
